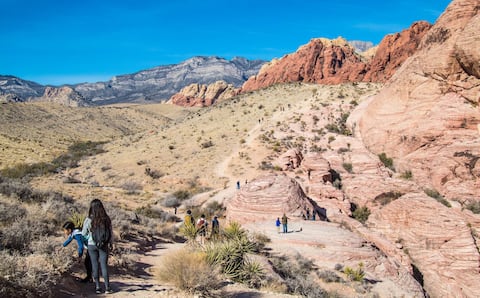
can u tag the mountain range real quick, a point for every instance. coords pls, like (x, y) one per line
(152, 85)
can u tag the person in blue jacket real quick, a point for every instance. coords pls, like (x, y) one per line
(73, 233)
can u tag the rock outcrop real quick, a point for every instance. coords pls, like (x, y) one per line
(16, 89)
(321, 61)
(393, 50)
(200, 95)
(336, 61)
(427, 117)
(63, 95)
(440, 243)
(266, 198)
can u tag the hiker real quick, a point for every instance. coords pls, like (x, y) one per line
(284, 223)
(277, 223)
(308, 213)
(202, 228)
(238, 184)
(73, 233)
(215, 228)
(97, 228)
(313, 214)
(189, 220)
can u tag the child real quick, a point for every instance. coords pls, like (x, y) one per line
(277, 223)
(72, 233)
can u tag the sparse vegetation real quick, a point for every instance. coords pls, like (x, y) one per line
(387, 197)
(474, 207)
(433, 193)
(355, 274)
(348, 167)
(361, 214)
(387, 162)
(407, 175)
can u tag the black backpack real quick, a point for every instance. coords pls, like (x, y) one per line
(101, 237)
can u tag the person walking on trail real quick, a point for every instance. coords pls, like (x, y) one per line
(277, 224)
(97, 229)
(215, 228)
(238, 184)
(285, 223)
(308, 213)
(189, 220)
(202, 228)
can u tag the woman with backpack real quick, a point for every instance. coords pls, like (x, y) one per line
(97, 229)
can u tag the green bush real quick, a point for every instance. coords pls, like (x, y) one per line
(387, 162)
(355, 274)
(361, 214)
(407, 175)
(433, 193)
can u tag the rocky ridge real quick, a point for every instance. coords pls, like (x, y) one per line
(160, 83)
(336, 61)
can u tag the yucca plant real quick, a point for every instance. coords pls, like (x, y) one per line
(234, 231)
(252, 273)
(190, 232)
(77, 219)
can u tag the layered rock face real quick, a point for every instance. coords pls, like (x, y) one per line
(63, 95)
(321, 61)
(160, 83)
(200, 95)
(266, 198)
(393, 51)
(440, 243)
(427, 116)
(326, 61)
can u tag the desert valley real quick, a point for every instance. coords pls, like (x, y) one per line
(382, 144)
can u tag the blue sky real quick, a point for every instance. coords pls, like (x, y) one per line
(56, 42)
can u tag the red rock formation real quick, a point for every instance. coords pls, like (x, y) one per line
(326, 61)
(203, 95)
(393, 50)
(320, 61)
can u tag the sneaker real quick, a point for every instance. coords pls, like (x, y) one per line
(98, 291)
(108, 291)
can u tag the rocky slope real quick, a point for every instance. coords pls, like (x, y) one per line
(63, 95)
(204, 95)
(160, 83)
(336, 61)
(16, 89)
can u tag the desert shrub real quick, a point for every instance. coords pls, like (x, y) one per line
(189, 271)
(171, 202)
(407, 175)
(182, 195)
(9, 212)
(387, 162)
(154, 174)
(77, 219)
(252, 274)
(155, 212)
(23, 170)
(433, 193)
(189, 232)
(387, 197)
(329, 276)
(214, 208)
(355, 274)
(207, 144)
(131, 187)
(265, 165)
(260, 240)
(474, 207)
(297, 276)
(361, 214)
(348, 167)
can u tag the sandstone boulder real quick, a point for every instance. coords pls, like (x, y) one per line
(266, 198)
(289, 160)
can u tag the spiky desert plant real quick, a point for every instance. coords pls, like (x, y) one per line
(189, 232)
(252, 273)
(355, 274)
(234, 231)
(77, 219)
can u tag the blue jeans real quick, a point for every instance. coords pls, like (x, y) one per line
(285, 230)
(98, 255)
